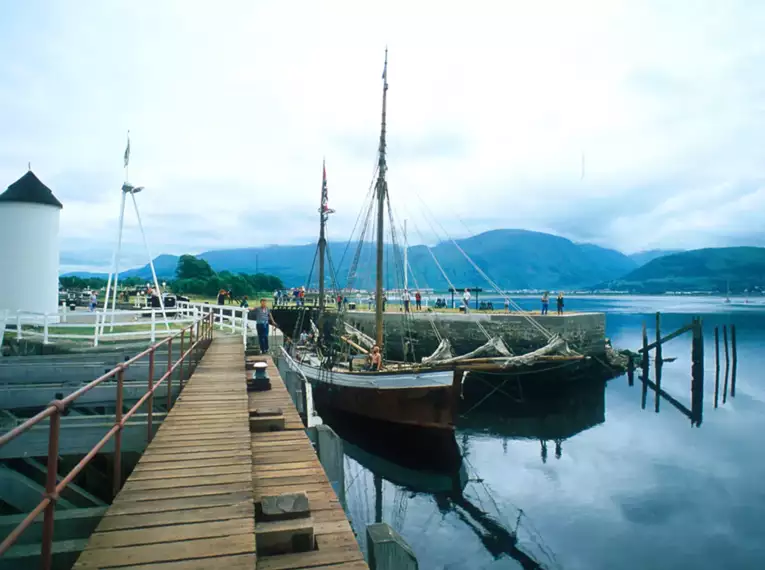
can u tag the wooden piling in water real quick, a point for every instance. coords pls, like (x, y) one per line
(631, 370)
(644, 367)
(734, 351)
(717, 364)
(697, 370)
(658, 361)
(727, 363)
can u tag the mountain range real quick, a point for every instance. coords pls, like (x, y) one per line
(513, 259)
(734, 269)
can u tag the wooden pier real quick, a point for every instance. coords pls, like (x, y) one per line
(285, 462)
(191, 501)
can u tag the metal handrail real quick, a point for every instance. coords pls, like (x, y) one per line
(202, 328)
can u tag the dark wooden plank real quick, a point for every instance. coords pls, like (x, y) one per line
(236, 562)
(172, 533)
(167, 552)
(163, 518)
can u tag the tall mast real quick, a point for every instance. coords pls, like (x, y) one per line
(323, 215)
(406, 260)
(382, 191)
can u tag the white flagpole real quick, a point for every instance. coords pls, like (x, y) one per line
(151, 261)
(100, 322)
(117, 260)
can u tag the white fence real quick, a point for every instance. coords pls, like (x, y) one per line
(121, 325)
(227, 317)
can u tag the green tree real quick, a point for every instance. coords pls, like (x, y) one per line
(191, 267)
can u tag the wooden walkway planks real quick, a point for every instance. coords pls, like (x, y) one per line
(188, 504)
(285, 462)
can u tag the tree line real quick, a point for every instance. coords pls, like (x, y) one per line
(193, 276)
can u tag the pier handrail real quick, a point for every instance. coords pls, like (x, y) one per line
(58, 320)
(200, 335)
(220, 318)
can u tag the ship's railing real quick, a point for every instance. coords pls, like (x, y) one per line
(92, 327)
(199, 335)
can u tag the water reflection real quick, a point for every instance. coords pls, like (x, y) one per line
(639, 490)
(382, 484)
(550, 414)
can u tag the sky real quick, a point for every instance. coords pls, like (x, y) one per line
(493, 109)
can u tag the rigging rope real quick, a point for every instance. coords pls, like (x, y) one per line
(541, 329)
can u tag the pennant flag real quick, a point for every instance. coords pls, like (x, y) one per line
(127, 151)
(325, 209)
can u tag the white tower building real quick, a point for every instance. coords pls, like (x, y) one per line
(29, 247)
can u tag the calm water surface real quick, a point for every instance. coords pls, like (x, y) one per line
(622, 488)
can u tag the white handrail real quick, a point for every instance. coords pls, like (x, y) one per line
(236, 321)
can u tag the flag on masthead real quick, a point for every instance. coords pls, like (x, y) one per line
(385, 68)
(127, 151)
(325, 209)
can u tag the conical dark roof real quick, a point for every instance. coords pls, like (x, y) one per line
(29, 189)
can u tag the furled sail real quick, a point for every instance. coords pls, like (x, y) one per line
(358, 336)
(442, 352)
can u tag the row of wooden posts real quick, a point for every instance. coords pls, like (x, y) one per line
(697, 366)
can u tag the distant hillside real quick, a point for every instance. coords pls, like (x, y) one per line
(698, 270)
(514, 259)
(642, 257)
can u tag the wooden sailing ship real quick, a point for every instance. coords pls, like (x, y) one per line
(422, 394)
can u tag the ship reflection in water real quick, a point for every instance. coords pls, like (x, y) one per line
(400, 484)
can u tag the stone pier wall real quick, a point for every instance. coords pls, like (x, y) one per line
(585, 332)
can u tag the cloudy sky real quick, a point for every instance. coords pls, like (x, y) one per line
(232, 105)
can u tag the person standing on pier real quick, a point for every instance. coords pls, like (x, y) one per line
(262, 319)
(545, 302)
(466, 299)
(405, 298)
(418, 301)
(560, 302)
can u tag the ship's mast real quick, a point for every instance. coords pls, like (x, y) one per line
(382, 192)
(323, 214)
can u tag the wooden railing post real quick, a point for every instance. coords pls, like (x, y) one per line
(45, 328)
(117, 475)
(153, 326)
(180, 366)
(150, 401)
(50, 486)
(169, 374)
(245, 315)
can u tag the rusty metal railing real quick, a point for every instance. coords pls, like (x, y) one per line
(200, 335)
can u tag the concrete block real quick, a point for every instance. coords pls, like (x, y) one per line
(282, 507)
(259, 412)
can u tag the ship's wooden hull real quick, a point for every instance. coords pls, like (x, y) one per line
(427, 400)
